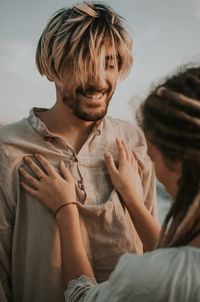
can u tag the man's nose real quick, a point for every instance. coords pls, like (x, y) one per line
(98, 79)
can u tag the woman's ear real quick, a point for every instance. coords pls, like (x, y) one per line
(177, 166)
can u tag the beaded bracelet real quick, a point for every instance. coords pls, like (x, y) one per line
(66, 204)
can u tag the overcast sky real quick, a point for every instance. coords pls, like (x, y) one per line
(166, 34)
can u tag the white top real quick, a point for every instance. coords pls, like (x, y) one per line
(165, 275)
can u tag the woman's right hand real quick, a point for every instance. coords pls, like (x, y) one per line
(125, 177)
(50, 188)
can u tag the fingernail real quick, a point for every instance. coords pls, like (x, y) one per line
(107, 154)
(26, 158)
(62, 163)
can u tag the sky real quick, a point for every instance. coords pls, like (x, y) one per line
(165, 35)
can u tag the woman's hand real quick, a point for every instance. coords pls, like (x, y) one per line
(49, 187)
(125, 178)
(54, 191)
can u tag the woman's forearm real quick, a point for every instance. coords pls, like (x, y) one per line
(146, 226)
(74, 257)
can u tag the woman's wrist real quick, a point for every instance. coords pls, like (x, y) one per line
(62, 206)
(131, 200)
(68, 222)
(69, 210)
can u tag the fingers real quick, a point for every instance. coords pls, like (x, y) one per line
(29, 189)
(49, 169)
(66, 173)
(38, 171)
(125, 154)
(32, 180)
(110, 163)
(127, 151)
(34, 167)
(46, 165)
(121, 150)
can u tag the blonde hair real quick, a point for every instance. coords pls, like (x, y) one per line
(80, 35)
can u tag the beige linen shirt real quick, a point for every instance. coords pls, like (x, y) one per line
(30, 255)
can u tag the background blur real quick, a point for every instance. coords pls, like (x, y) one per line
(165, 33)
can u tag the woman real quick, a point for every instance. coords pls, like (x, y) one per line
(170, 119)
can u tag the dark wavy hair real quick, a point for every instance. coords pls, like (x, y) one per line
(170, 118)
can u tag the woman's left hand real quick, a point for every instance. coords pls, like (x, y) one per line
(49, 187)
(125, 176)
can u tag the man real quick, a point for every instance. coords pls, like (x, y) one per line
(84, 50)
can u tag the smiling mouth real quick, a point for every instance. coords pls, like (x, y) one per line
(93, 96)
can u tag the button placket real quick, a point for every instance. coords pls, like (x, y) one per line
(49, 139)
(81, 193)
(81, 185)
(74, 158)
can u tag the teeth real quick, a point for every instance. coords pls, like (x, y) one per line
(94, 96)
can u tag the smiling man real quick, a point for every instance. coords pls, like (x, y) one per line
(89, 100)
(84, 50)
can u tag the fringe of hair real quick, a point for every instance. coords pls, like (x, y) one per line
(81, 35)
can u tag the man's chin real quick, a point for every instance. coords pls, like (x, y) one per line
(89, 117)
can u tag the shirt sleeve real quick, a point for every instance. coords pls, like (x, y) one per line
(6, 230)
(135, 278)
(84, 289)
(116, 289)
(78, 287)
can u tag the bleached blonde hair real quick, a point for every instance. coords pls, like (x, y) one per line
(80, 35)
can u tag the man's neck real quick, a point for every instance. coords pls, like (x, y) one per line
(61, 122)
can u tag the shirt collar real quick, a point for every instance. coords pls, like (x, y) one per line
(37, 124)
(42, 130)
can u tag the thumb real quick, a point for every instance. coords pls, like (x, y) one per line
(110, 163)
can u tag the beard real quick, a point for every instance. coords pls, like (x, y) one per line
(86, 110)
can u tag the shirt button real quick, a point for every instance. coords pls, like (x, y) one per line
(48, 139)
(81, 185)
(74, 158)
(98, 132)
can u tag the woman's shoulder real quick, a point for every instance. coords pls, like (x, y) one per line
(159, 258)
